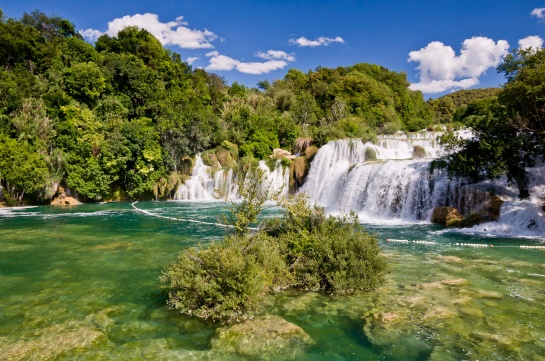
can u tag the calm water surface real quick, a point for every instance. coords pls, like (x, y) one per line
(82, 283)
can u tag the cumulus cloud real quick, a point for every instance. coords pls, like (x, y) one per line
(539, 13)
(321, 41)
(191, 60)
(532, 41)
(170, 33)
(441, 69)
(276, 60)
(90, 34)
(275, 55)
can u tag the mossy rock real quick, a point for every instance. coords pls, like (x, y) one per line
(370, 154)
(186, 165)
(419, 152)
(225, 158)
(310, 152)
(467, 222)
(445, 215)
(232, 148)
(268, 337)
(271, 164)
(209, 158)
(300, 170)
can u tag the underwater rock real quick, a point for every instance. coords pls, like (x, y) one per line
(430, 285)
(489, 294)
(455, 282)
(492, 338)
(267, 337)
(52, 342)
(300, 303)
(450, 259)
(438, 312)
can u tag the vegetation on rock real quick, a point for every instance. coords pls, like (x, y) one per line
(305, 249)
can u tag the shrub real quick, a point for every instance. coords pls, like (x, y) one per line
(370, 154)
(419, 152)
(305, 249)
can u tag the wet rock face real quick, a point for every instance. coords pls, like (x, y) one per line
(445, 215)
(63, 200)
(268, 337)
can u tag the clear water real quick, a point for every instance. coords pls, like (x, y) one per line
(82, 284)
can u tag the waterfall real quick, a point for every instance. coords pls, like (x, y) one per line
(387, 180)
(388, 185)
(204, 183)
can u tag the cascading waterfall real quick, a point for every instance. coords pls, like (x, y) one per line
(203, 185)
(392, 184)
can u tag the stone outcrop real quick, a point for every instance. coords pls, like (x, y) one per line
(64, 200)
(445, 215)
(268, 337)
(279, 153)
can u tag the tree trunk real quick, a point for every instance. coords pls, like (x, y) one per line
(522, 186)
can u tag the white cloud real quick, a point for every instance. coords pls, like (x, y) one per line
(532, 41)
(261, 68)
(275, 55)
(441, 69)
(321, 41)
(90, 34)
(191, 60)
(539, 13)
(170, 33)
(220, 62)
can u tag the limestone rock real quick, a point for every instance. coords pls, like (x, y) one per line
(281, 154)
(455, 282)
(445, 215)
(52, 342)
(64, 200)
(450, 259)
(268, 337)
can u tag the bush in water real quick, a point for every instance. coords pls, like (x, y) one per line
(305, 249)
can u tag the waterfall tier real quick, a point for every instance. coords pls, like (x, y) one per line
(394, 186)
(204, 183)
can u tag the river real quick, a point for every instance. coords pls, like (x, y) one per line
(82, 283)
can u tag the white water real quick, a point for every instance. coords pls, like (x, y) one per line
(202, 186)
(396, 188)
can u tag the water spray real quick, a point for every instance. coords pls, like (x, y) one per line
(187, 219)
(473, 245)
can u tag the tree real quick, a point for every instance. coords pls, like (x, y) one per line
(508, 133)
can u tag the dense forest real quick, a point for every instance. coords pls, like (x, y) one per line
(113, 119)
(118, 118)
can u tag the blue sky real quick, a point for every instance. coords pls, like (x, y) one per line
(451, 44)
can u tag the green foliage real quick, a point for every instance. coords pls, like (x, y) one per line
(508, 130)
(130, 110)
(370, 154)
(304, 249)
(447, 108)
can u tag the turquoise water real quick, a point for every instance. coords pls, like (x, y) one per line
(82, 283)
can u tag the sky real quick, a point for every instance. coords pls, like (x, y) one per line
(441, 45)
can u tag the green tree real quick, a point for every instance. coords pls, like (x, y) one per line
(510, 137)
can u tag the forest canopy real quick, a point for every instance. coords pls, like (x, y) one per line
(116, 119)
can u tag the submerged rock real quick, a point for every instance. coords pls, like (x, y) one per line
(268, 337)
(52, 342)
